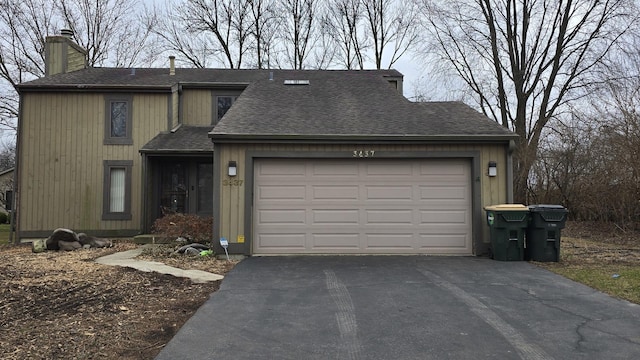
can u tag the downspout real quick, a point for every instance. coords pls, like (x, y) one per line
(511, 149)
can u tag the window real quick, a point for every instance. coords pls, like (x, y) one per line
(118, 111)
(116, 203)
(224, 104)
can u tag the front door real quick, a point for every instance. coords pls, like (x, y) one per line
(186, 186)
(174, 188)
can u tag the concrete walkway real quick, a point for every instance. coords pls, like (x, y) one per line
(127, 259)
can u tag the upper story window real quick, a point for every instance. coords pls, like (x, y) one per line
(118, 113)
(224, 103)
(221, 102)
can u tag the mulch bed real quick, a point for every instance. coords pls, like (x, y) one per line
(62, 305)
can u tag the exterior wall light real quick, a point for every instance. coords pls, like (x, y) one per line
(233, 168)
(493, 168)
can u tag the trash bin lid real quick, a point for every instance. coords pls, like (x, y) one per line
(507, 207)
(546, 207)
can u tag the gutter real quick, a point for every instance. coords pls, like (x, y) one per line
(104, 88)
(349, 138)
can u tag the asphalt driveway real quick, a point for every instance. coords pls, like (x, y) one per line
(404, 307)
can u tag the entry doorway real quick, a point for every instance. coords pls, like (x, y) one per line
(178, 184)
(186, 187)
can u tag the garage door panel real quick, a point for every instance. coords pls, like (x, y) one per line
(334, 169)
(336, 241)
(446, 217)
(280, 241)
(288, 169)
(282, 193)
(389, 241)
(443, 168)
(281, 217)
(443, 192)
(443, 240)
(389, 193)
(336, 217)
(389, 217)
(336, 192)
(362, 206)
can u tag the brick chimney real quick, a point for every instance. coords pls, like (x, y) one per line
(63, 55)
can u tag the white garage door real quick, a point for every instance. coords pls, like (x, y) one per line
(362, 206)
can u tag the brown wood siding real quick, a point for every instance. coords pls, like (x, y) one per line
(62, 153)
(75, 59)
(232, 198)
(55, 57)
(196, 107)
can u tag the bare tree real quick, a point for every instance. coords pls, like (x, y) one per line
(298, 30)
(344, 21)
(391, 23)
(24, 25)
(526, 59)
(7, 155)
(110, 31)
(168, 29)
(222, 28)
(264, 28)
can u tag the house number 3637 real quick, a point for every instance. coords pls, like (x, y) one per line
(232, 182)
(363, 153)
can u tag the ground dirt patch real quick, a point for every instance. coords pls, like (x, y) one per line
(602, 256)
(62, 305)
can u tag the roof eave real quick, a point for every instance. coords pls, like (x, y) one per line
(176, 151)
(326, 138)
(93, 87)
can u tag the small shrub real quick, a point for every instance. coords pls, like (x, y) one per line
(192, 227)
(4, 218)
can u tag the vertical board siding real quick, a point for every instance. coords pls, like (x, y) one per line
(196, 107)
(62, 153)
(75, 59)
(232, 198)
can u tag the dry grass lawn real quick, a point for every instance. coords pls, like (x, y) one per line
(601, 256)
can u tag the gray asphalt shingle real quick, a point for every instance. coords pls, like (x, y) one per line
(191, 139)
(350, 104)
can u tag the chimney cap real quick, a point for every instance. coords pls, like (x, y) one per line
(68, 33)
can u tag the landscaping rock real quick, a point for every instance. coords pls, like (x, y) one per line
(93, 241)
(69, 245)
(58, 235)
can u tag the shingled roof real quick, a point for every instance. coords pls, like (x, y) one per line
(320, 104)
(186, 139)
(348, 105)
(159, 78)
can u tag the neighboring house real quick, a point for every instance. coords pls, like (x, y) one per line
(286, 161)
(6, 190)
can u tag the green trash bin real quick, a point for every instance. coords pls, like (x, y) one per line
(543, 233)
(507, 225)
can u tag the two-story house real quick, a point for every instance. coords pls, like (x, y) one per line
(285, 161)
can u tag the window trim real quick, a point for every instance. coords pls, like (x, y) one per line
(108, 139)
(106, 192)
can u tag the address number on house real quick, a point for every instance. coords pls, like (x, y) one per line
(363, 153)
(232, 182)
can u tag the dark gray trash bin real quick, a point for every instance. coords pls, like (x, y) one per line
(543, 232)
